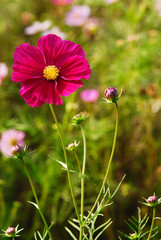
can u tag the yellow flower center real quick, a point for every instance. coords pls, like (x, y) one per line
(13, 142)
(51, 72)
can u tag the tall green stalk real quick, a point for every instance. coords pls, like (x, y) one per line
(108, 167)
(66, 161)
(78, 163)
(152, 224)
(82, 184)
(36, 199)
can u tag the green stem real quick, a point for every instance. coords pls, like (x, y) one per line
(66, 161)
(13, 238)
(82, 183)
(152, 224)
(79, 166)
(36, 199)
(108, 167)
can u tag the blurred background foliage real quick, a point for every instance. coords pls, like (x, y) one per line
(124, 52)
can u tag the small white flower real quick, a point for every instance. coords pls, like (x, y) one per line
(156, 106)
(37, 27)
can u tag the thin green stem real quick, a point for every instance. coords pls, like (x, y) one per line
(66, 161)
(108, 167)
(36, 199)
(13, 238)
(82, 183)
(78, 162)
(152, 224)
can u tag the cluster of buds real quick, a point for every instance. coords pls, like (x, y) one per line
(79, 118)
(12, 232)
(18, 151)
(72, 146)
(111, 95)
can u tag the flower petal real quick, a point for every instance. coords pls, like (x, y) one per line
(65, 88)
(57, 51)
(47, 92)
(20, 77)
(75, 68)
(65, 50)
(29, 62)
(34, 102)
(27, 52)
(27, 91)
(48, 45)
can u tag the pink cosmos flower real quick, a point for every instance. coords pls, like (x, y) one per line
(61, 2)
(9, 139)
(77, 15)
(3, 72)
(53, 69)
(89, 95)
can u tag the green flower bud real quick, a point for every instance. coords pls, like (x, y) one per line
(79, 118)
(72, 146)
(133, 236)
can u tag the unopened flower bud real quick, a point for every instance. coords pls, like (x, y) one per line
(10, 231)
(111, 94)
(18, 151)
(152, 200)
(72, 146)
(79, 118)
(133, 236)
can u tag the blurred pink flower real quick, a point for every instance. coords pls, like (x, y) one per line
(157, 4)
(9, 139)
(3, 72)
(111, 1)
(91, 26)
(78, 15)
(37, 27)
(89, 95)
(132, 38)
(61, 2)
(54, 68)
